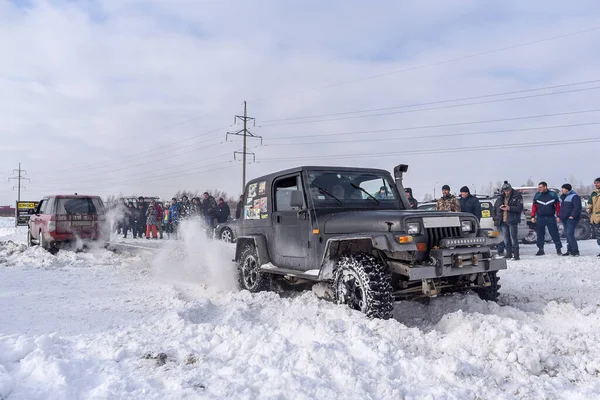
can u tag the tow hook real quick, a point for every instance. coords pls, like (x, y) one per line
(429, 288)
(458, 261)
(483, 280)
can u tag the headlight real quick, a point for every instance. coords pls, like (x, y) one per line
(466, 226)
(413, 228)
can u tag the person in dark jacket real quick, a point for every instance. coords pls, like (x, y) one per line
(223, 211)
(209, 209)
(570, 213)
(174, 217)
(469, 203)
(140, 221)
(185, 208)
(544, 211)
(509, 210)
(411, 200)
(129, 220)
(142, 201)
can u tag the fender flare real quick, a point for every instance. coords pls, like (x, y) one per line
(260, 244)
(354, 244)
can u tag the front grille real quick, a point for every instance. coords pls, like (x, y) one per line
(435, 235)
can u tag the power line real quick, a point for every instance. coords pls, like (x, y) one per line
(160, 148)
(19, 177)
(441, 150)
(431, 64)
(433, 102)
(438, 125)
(434, 108)
(177, 174)
(439, 135)
(142, 163)
(245, 133)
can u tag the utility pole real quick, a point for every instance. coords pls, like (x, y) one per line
(245, 133)
(19, 177)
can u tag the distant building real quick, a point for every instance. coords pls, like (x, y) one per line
(7, 211)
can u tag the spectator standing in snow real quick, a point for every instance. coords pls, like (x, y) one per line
(185, 208)
(593, 208)
(209, 210)
(239, 207)
(196, 208)
(448, 202)
(140, 221)
(165, 220)
(223, 211)
(151, 222)
(469, 203)
(382, 194)
(129, 219)
(411, 200)
(544, 211)
(174, 217)
(159, 218)
(510, 208)
(570, 213)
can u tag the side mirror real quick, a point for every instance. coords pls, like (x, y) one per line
(296, 199)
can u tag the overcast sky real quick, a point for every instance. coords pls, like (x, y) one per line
(121, 96)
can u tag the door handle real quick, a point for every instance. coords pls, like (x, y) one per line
(279, 219)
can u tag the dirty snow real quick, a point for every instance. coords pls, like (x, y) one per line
(170, 323)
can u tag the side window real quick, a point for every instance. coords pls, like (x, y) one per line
(42, 206)
(49, 206)
(283, 189)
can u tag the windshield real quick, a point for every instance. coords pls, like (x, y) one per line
(351, 188)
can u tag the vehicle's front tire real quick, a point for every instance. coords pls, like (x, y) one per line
(363, 283)
(530, 238)
(490, 293)
(226, 235)
(250, 276)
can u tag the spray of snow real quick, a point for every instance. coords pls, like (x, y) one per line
(196, 259)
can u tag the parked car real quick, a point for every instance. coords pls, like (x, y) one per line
(66, 218)
(226, 231)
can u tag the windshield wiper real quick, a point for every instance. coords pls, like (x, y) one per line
(321, 190)
(364, 191)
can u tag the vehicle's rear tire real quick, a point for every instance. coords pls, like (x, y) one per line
(583, 230)
(29, 238)
(490, 293)
(250, 276)
(363, 283)
(226, 235)
(41, 241)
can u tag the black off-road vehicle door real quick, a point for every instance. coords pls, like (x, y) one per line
(291, 225)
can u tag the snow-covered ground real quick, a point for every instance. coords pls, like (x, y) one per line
(146, 324)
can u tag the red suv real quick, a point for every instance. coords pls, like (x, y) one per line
(65, 218)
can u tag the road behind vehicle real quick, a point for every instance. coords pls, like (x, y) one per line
(62, 219)
(323, 224)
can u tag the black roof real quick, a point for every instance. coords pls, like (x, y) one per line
(294, 170)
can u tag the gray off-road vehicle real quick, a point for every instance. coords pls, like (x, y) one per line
(351, 228)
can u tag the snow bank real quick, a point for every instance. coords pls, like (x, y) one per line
(150, 326)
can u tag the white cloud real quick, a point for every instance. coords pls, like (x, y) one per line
(102, 82)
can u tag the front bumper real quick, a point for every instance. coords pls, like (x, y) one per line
(451, 262)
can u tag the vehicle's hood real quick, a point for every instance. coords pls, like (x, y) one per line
(377, 221)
